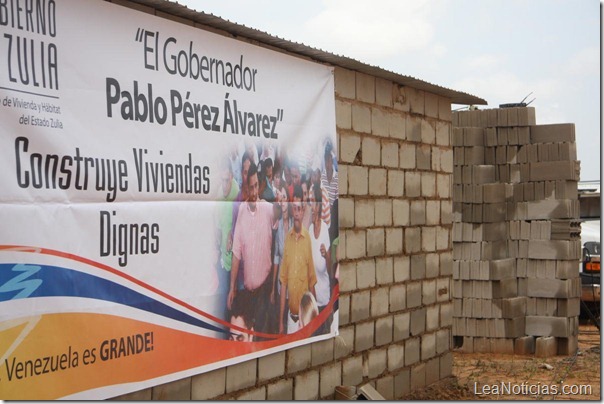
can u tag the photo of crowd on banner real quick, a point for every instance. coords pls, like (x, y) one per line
(277, 233)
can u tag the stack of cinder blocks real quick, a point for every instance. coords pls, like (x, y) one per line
(516, 248)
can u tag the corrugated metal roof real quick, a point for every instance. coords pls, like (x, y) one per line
(210, 20)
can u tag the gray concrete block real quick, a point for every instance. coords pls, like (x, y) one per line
(298, 359)
(553, 288)
(432, 317)
(428, 290)
(443, 341)
(546, 347)
(396, 357)
(363, 339)
(432, 371)
(241, 375)
(418, 376)
(384, 330)
(402, 383)
(402, 326)
(524, 345)
(307, 386)
(446, 365)
(208, 385)
(258, 394)
(414, 294)
(568, 346)
(330, 376)
(398, 297)
(360, 305)
(176, 390)
(549, 326)
(377, 362)
(365, 273)
(352, 371)
(379, 301)
(271, 366)
(428, 347)
(322, 351)
(281, 390)
(385, 386)
(412, 351)
(344, 342)
(553, 133)
(418, 321)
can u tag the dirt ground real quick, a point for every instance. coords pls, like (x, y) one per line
(528, 378)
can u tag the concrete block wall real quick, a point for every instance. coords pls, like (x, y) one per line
(396, 166)
(395, 203)
(515, 233)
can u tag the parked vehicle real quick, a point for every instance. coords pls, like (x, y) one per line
(589, 199)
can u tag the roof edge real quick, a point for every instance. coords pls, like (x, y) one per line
(239, 30)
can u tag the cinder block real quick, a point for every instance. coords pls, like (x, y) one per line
(307, 386)
(271, 366)
(402, 384)
(343, 115)
(352, 371)
(546, 347)
(414, 294)
(428, 290)
(428, 132)
(383, 92)
(383, 331)
(446, 365)
(542, 326)
(330, 377)
(402, 326)
(379, 301)
(412, 351)
(502, 345)
(443, 341)
(322, 351)
(418, 376)
(390, 154)
(562, 132)
(365, 87)
(412, 240)
(407, 153)
(298, 358)
(281, 390)
(360, 308)
(355, 244)
(240, 376)
(357, 180)
(377, 362)
(385, 386)
(524, 345)
(375, 242)
(383, 212)
(416, 100)
(554, 170)
(394, 240)
(418, 321)
(400, 212)
(413, 129)
(208, 385)
(553, 288)
(364, 212)
(568, 346)
(345, 83)
(361, 118)
(432, 318)
(512, 307)
(258, 394)
(428, 347)
(412, 184)
(432, 371)
(363, 338)
(379, 122)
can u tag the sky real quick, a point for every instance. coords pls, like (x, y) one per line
(498, 50)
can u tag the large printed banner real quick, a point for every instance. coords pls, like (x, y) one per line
(168, 201)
